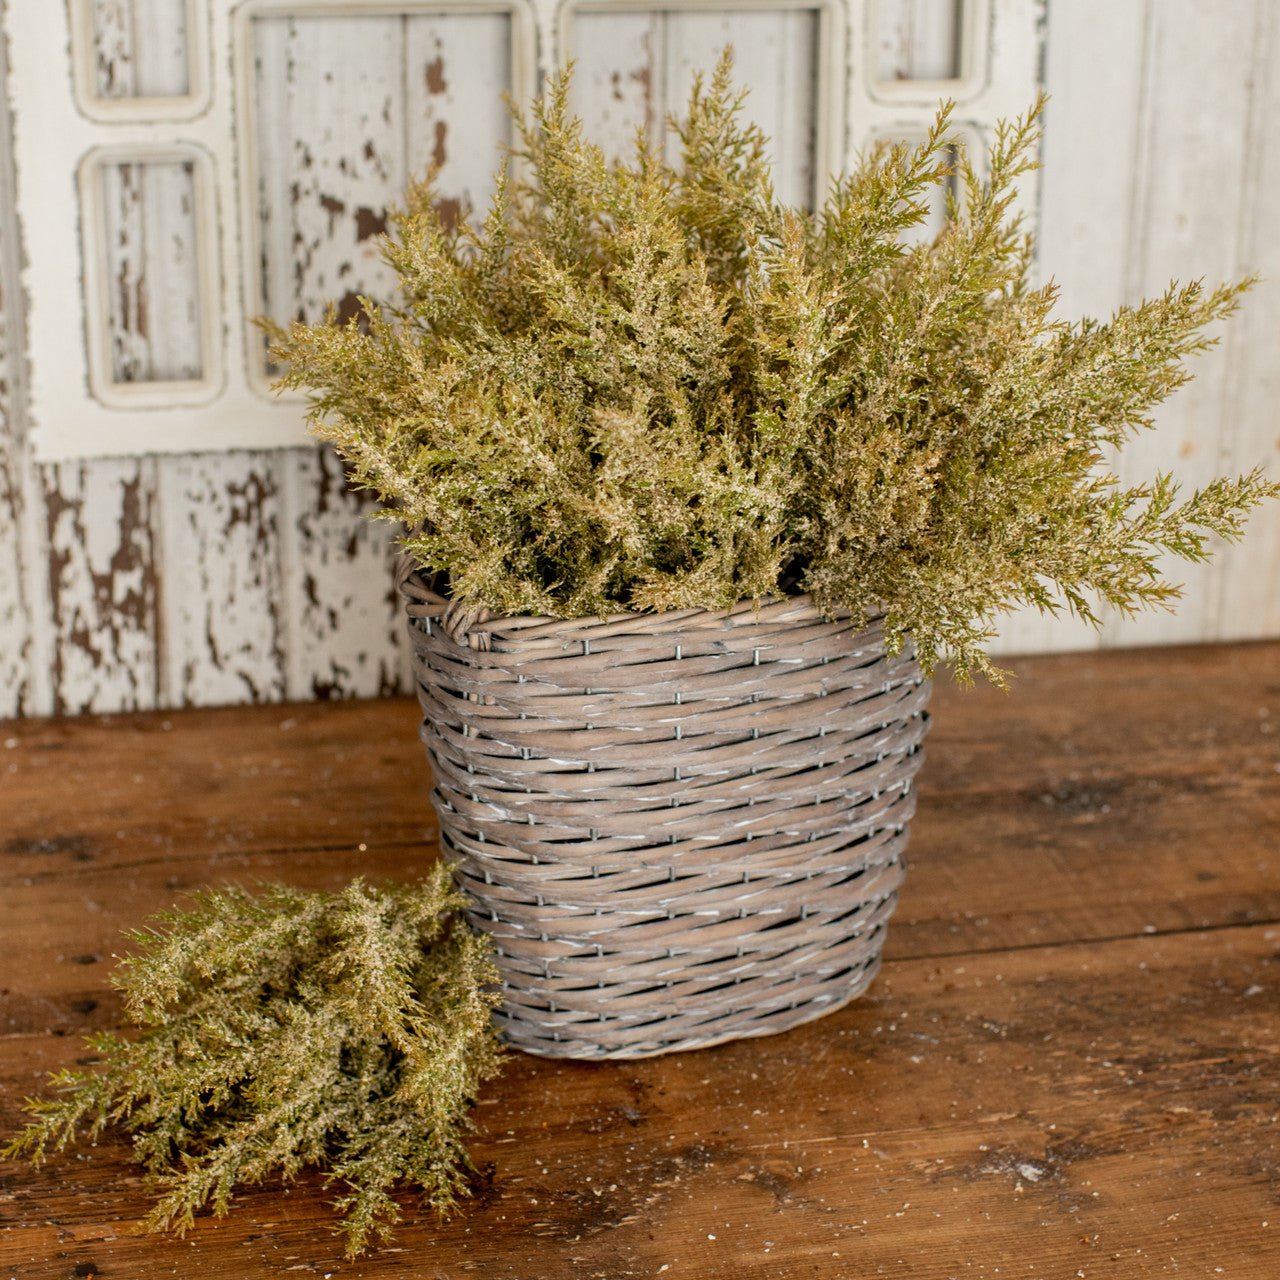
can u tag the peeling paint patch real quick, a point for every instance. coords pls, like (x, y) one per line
(225, 634)
(350, 629)
(436, 82)
(103, 583)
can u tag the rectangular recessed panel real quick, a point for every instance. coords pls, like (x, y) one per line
(150, 272)
(344, 111)
(140, 48)
(635, 66)
(918, 40)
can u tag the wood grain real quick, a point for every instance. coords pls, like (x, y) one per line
(1246, 602)
(1068, 1064)
(1046, 1089)
(1189, 187)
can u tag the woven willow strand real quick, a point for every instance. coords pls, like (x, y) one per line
(678, 829)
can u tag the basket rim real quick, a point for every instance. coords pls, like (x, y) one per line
(476, 627)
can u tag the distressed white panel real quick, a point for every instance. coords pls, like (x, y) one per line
(329, 121)
(1186, 223)
(153, 295)
(347, 623)
(140, 48)
(335, 148)
(918, 39)
(456, 71)
(225, 633)
(1247, 604)
(634, 66)
(15, 606)
(103, 585)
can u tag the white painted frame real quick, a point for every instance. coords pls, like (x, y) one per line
(829, 141)
(102, 383)
(110, 110)
(53, 135)
(974, 65)
(68, 393)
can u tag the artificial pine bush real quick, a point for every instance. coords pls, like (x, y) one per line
(647, 386)
(344, 1030)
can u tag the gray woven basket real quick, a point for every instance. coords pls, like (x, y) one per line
(678, 828)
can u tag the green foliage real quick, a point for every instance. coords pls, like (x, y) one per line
(346, 1030)
(649, 386)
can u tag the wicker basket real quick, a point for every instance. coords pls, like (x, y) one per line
(679, 828)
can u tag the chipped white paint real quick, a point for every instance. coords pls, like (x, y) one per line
(139, 59)
(103, 586)
(225, 631)
(233, 576)
(52, 133)
(347, 625)
(331, 151)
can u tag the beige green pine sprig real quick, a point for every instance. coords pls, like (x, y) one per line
(648, 385)
(347, 1031)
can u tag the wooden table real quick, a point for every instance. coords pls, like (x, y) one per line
(1068, 1067)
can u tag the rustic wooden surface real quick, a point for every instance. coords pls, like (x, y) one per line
(1067, 1068)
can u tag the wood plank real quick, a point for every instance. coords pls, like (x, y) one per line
(457, 67)
(1154, 775)
(100, 538)
(15, 608)
(153, 295)
(17, 613)
(1247, 600)
(224, 630)
(1012, 1114)
(617, 85)
(348, 626)
(1189, 177)
(330, 121)
(1093, 75)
